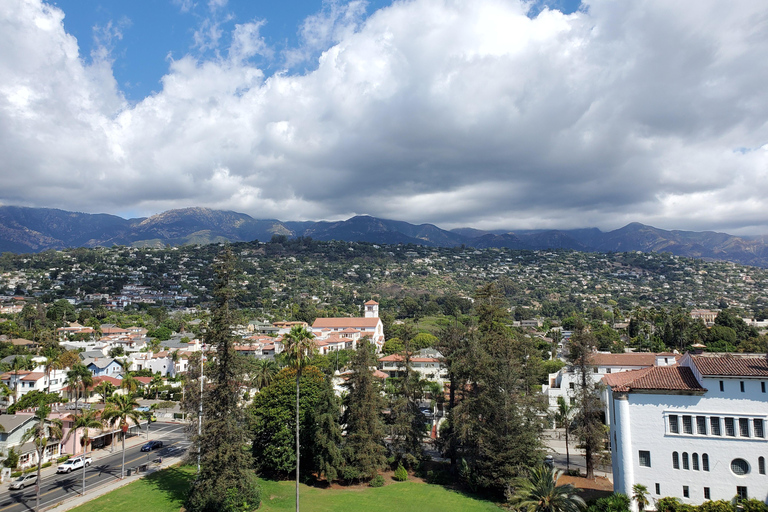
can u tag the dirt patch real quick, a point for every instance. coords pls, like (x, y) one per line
(591, 489)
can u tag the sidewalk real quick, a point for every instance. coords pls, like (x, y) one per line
(76, 500)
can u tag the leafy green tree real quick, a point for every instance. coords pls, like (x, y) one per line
(33, 399)
(325, 433)
(105, 389)
(272, 415)
(539, 492)
(299, 346)
(564, 419)
(41, 433)
(407, 420)
(226, 481)
(264, 371)
(364, 451)
(393, 346)
(121, 411)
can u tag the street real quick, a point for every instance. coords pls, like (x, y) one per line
(106, 466)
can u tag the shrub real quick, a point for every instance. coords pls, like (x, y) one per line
(753, 505)
(377, 481)
(716, 506)
(667, 504)
(16, 474)
(401, 475)
(47, 464)
(63, 458)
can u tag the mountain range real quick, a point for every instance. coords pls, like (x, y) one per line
(25, 230)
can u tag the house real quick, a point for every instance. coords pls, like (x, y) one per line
(13, 428)
(99, 366)
(695, 431)
(369, 325)
(21, 383)
(563, 383)
(706, 315)
(427, 362)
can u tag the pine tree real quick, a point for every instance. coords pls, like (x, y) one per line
(226, 481)
(498, 420)
(589, 407)
(452, 344)
(325, 433)
(407, 420)
(363, 450)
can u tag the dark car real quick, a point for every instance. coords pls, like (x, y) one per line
(152, 445)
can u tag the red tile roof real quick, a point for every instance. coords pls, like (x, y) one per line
(662, 378)
(371, 303)
(414, 359)
(731, 365)
(340, 323)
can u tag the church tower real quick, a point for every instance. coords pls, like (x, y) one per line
(371, 309)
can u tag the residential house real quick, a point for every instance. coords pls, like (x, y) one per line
(14, 428)
(427, 362)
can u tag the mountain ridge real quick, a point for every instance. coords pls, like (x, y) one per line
(24, 229)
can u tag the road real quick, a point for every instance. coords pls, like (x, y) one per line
(57, 487)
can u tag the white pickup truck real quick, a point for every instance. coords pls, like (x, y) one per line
(73, 463)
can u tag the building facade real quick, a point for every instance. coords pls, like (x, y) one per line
(695, 431)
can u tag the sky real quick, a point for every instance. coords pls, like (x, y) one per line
(494, 114)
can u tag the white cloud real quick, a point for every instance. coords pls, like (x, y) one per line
(452, 112)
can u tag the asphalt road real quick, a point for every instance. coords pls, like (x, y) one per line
(57, 487)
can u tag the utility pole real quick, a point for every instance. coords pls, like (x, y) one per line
(200, 412)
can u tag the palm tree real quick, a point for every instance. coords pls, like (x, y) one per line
(122, 408)
(640, 495)
(51, 363)
(130, 384)
(105, 389)
(265, 371)
(85, 420)
(299, 346)
(564, 417)
(155, 384)
(79, 378)
(42, 432)
(539, 492)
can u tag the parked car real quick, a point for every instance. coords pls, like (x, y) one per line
(73, 463)
(24, 480)
(152, 445)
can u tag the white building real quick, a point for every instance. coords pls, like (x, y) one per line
(563, 382)
(427, 362)
(369, 325)
(695, 431)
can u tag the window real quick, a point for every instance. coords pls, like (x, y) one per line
(594, 370)
(729, 428)
(645, 458)
(759, 431)
(674, 427)
(687, 425)
(685, 461)
(741, 492)
(695, 461)
(762, 387)
(607, 370)
(706, 494)
(701, 425)
(743, 427)
(714, 426)
(741, 386)
(675, 460)
(658, 489)
(722, 387)
(739, 466)
(571, 385)
(761, 465)
(705, 462)
(685, 492)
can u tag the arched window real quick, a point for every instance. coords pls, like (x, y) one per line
(761, 465)
(675, 460)
(685, 461)
(695, 461)
(705, 462)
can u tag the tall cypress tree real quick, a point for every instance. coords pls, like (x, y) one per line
(407, 420)
(498, 421)
(364, 451)
(589, 406)
(226, 481)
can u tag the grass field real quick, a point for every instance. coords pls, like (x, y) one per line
(165, 491)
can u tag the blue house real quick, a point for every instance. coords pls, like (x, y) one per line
(104, 367)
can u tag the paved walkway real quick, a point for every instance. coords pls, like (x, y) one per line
(94, 492)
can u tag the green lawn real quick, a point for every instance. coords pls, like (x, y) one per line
(394, 497)
(159, 492)
(165, 491)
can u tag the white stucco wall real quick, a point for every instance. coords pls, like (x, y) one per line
(642, 423)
